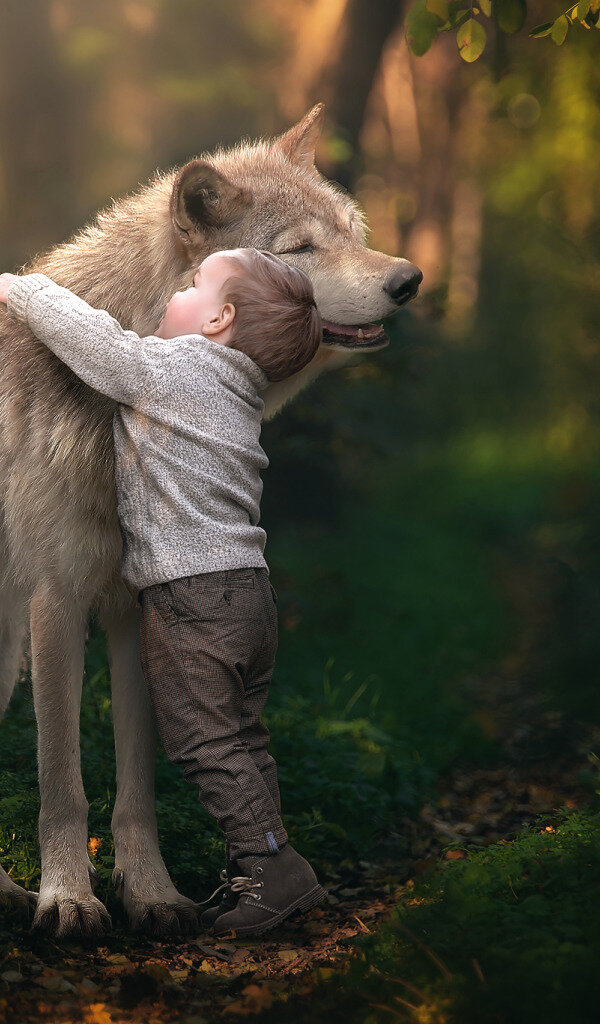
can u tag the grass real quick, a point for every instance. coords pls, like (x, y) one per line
(390, 598)
(377, 625)
(509, 934)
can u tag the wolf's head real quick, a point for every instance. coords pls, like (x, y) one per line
(270, 195)
(266, 194)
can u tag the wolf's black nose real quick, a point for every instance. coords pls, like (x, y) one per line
(403, 284)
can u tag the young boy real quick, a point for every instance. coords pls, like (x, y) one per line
(187, 467)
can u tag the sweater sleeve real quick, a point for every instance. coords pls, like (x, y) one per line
(116, 362)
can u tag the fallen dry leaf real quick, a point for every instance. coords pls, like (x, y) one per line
(322, 973)
(157, 971)
(257, 997)
(87, 985)
(12, 977)
(213, 951)
(118, 960)
(96, 1013)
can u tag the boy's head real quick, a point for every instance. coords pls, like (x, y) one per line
(254, 302)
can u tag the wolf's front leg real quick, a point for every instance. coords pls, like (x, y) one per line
(152, 902)
(66, 904)
(13, 629)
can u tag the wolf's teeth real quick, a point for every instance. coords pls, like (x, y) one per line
(361, 333)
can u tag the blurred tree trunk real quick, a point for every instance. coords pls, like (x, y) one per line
(439, 96)
(36, 183)
(347, 79)
(445, 236)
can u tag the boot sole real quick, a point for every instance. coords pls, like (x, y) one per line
(306, 902)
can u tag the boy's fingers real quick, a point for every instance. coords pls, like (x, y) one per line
(5, 283)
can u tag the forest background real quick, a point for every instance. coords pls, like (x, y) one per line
(431, 509)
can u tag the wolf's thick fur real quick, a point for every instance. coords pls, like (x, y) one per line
(59, 537)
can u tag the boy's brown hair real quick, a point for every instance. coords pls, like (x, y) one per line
(277, 322)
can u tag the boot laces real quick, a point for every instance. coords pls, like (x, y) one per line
(243, 884)
(239, 883)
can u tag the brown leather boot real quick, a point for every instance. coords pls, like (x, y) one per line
(271, 888)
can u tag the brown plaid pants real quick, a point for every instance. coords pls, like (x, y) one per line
(208, 646)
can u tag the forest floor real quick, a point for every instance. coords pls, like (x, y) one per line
(298, 969)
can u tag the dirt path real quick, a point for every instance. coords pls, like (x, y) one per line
(132, 979)
(542, 752)
(534, 779)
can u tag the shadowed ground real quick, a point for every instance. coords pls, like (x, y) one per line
(434, 695)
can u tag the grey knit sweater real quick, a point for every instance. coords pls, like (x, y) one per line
(186, 430)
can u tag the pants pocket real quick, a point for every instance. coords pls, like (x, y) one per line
(160, 601)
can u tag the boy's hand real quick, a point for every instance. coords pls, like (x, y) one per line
(5, 282)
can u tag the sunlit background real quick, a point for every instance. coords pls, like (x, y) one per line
(432, 509)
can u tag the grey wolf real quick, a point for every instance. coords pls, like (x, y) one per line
(60, 540)
(187, 465)
(187, 423)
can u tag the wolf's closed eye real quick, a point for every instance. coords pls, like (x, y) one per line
(305, 247)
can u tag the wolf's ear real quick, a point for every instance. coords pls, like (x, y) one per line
(299, 142)
(202, 199)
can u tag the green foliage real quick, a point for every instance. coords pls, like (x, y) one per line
(426, 19)
(527, 910)
(510, 15)
(421, 27)
(509, 935)
(471, 40)
(542, 30)
(384, 603)
(559, 30)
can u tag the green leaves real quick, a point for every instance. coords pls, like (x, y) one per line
(471, 40)
(421, 28)
(510, 15)
(559, 30)
(587, 13)
(428, 18)
(542, 30)
(592, 17)
(440, 8)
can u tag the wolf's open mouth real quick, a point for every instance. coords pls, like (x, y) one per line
(350, 336)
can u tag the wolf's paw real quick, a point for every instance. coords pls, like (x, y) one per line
(164, 913)
(64, 916)
(16, 900)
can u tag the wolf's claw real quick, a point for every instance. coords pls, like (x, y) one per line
(65, 917)
(16, 900)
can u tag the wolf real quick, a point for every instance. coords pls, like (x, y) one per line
(60, 543)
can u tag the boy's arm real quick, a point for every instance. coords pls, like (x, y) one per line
(116, 362)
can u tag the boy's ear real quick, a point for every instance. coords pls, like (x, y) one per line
(204, 199)
(228, 313)
(218, 323)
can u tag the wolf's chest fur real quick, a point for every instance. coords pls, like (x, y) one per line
(57, 468)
